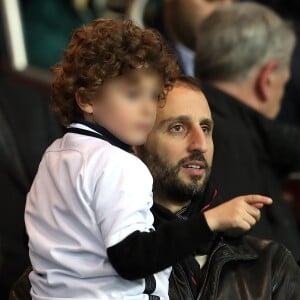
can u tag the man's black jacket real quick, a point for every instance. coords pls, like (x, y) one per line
(245, 268)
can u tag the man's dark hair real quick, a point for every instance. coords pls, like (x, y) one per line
(190, 82)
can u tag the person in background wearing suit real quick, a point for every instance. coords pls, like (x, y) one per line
(243, 60)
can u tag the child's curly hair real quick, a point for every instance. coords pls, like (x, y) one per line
(105, 49)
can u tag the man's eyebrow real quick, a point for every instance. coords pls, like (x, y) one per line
(182, 118)
(185, 119)
(207, 121)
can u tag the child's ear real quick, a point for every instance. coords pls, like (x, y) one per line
(84, 104)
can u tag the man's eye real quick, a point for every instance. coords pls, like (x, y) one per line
(206, 129)
(177, 128)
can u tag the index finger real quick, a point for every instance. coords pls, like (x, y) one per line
(252, 199)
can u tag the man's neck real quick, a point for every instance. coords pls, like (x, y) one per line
(241, 92)
(174, 207)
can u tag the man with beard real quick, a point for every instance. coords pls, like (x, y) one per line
(179, 153)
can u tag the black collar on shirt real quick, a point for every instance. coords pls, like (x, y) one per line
(227, 105)
(102, 133)
(209, 199)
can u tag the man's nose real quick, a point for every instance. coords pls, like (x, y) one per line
(197, 140)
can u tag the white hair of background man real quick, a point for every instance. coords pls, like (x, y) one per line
(236, 39)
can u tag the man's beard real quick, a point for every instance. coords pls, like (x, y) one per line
(166, 181)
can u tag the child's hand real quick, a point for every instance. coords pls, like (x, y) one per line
(238, 214)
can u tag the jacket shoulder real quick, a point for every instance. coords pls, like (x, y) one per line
(256, 247)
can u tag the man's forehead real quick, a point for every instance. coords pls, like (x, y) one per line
(184, 103)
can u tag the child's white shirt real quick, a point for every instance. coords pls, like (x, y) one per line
(87, 196)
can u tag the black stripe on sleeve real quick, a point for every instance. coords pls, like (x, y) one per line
(144, 253)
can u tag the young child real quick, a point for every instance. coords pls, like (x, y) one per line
(88, 211)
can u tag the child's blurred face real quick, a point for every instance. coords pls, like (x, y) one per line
(126, 105)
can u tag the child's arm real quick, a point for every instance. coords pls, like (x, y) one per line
(240, 213)
(141, 253)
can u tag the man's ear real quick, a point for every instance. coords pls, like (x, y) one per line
(264, 80)
(84, 105)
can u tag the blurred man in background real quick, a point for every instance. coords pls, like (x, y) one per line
(27, 128)
(243, 57)
(177, 20)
